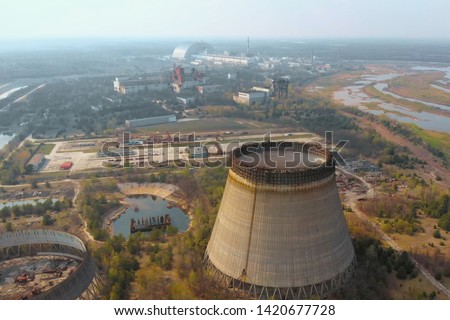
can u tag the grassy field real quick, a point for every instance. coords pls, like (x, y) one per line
(411, 289)
(86, 150)
(374, 93)
(438, 140)
(215, 125)
(395, 288)
(44, 176)
(431, 252)
(46, 148)
(274, 138)
(325, 86)
(373, 106)
(417, 86)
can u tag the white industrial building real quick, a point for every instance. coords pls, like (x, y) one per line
(201, 51)
(187, 50)
(219, 59)
(251, 98)
(149, 121)
(267, 90)
(210, 89)
(127, 85)
(186, 100)
(187, 84)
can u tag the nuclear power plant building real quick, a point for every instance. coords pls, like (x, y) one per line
(280, 232)
(201, 51)
(187, 50)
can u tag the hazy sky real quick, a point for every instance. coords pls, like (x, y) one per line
(224, 18)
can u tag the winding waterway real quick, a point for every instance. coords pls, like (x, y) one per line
(355, 97)
(382, 87)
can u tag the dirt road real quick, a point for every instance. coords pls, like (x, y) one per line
(75, 211)
(352, 200)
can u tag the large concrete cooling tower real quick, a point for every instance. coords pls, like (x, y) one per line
(280, 232)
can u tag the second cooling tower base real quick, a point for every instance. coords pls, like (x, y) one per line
(315, 291)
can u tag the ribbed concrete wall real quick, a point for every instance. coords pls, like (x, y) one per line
(47, 242)
(280, 236)
(75, 285)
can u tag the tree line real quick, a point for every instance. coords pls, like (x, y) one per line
(37, 209)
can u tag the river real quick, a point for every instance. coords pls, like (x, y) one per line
(4, 139)
(382, 87)
(354, 96)
(22, 202)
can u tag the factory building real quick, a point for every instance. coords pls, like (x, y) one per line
(280, 232)
(251, 98)
(219, 59)
(186, 84)
(182, 80)
(37, 161)
(186, 50)
(127, 85)
(267, 90)
(210, 89)
(202, 52)
(186, 100)
(149, 121)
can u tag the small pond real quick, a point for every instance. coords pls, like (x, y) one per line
(143, 207)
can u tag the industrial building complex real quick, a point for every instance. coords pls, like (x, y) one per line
(149, 121)
(280, 231)
(130, 85)
(37, 161)
(250, 98)
(187, 50)
(204, 52)
(176, 79)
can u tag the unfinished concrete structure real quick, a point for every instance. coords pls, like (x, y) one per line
(280, 231)
(43, 242)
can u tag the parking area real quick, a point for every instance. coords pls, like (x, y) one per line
(81, 154)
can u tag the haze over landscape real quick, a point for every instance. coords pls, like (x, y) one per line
(225, 18)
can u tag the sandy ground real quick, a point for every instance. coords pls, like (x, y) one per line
(63, 152)
(34, 267)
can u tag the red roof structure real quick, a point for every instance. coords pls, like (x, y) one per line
(66, 165)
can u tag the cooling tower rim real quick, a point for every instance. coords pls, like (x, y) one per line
(283, 176)
(306, 147)
(280, 187)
